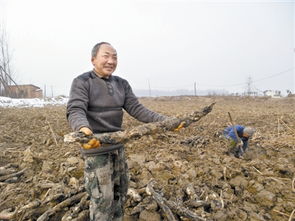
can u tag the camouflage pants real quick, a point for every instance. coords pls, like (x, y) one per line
(106, 181)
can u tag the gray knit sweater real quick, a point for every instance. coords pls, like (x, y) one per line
(98, 104)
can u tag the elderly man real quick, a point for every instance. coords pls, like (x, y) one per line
(244, 133)
(97, 100)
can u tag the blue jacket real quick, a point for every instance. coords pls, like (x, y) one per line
(229, 133)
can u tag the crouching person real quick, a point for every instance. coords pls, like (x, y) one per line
(244, 133)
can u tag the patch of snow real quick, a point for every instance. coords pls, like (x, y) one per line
(34, 102)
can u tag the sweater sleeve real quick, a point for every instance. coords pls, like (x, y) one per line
(136, 109)
(77, 105)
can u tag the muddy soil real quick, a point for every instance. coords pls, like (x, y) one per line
(258, 186)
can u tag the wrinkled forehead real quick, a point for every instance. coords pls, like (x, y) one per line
(107, 49)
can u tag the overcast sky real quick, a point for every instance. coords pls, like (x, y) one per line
(169, 44)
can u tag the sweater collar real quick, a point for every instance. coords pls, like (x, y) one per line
(99, 75)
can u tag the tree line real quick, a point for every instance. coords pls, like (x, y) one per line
(6, 75)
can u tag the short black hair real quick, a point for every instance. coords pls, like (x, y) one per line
(96, 48)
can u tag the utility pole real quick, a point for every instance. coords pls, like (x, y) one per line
(150, 92)
(195, 88)
(51, 91)
(249, 86)
(44, 93)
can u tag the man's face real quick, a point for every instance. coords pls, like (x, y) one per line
(105, 61)
(246, 135)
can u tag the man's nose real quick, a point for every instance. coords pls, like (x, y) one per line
(111, 61)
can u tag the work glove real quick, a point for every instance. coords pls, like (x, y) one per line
(92, 143)
(181, 125)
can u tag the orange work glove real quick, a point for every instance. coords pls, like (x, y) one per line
(181, 125)
(93, 143)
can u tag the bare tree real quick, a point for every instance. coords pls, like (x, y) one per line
(6, 77)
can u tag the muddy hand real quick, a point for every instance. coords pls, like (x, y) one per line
(86, 131)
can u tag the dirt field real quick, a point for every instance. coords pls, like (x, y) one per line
(191, 167)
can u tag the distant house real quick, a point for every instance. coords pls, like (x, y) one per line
(24, 91)
(273, 94)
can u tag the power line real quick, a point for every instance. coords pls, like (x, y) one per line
(253, 81)
(175, 87)
(277, 74)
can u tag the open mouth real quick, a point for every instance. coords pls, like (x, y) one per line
(109, 68)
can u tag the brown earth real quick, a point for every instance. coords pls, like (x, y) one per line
(189, 166)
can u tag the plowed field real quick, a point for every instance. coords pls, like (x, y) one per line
(191, 167)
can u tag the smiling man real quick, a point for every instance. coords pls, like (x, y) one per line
(97, 100)
(105, 60)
